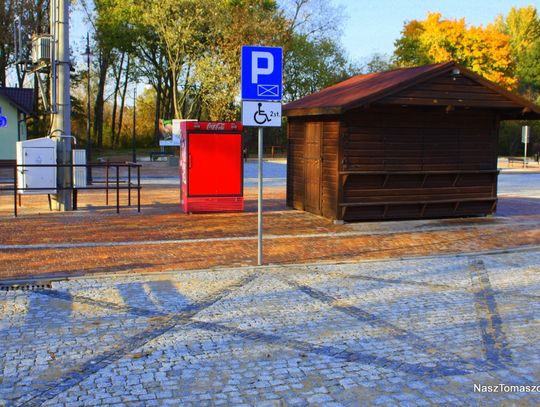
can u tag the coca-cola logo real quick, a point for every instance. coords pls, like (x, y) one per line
(216, 126)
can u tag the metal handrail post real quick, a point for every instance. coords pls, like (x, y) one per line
(138, 188)
(74, 191)
(107, 183)
(15, 190)
(129, 185)
(117, 189)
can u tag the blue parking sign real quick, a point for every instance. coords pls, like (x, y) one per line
(261, 73)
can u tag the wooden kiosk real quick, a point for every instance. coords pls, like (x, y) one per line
(404, 144)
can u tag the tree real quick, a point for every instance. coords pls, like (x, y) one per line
(201, 49)
(378, 63)
(529, 72)
(7, 15)
(217, 73)
(522, 25)
(485, 51)
(409, 50)
(113, 41)
(32, 17)
(314, 19)
(189, 50)
(184, 28)
(314, 65)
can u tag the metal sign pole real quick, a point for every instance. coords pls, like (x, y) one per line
(260, 200)
(525, 155)
(262, 88)
(525, 140)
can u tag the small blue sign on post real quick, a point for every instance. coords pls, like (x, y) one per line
(261, 73)
(3, 119)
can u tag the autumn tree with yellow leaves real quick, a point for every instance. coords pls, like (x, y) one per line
(484, 50)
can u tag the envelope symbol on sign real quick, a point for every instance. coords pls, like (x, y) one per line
(268, 90)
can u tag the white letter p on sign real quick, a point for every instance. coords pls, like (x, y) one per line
(255, 70)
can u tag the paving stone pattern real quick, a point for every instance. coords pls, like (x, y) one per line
(400, 332)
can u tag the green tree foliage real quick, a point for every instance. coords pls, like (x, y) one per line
(189, 51)
(7, 14)
(31, 16)
(313, 57)
(529, 72)
(217, 71)
(184, 28)
(314, 65)
(378, 63)
(409, 48)
(522, 26)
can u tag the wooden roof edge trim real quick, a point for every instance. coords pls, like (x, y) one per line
(520, 116)
(312, 111)
(520, 100)
(426, 76)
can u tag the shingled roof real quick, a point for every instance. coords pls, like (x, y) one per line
(363, 90)
(21, 98)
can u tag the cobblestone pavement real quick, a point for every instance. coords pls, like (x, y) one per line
(399, 332)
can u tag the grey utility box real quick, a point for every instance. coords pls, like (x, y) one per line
(79, 173)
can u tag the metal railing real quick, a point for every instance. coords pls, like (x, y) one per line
(110, 184)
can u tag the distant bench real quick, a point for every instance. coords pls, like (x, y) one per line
(156, 154)
(515, 160)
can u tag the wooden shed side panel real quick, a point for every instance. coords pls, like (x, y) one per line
(295, 164)
(409, 139)
(418, 162)
(330, 151)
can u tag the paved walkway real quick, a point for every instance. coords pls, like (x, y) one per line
(97, 240)
(400, 332)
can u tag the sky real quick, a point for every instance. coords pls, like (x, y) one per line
(372, 26)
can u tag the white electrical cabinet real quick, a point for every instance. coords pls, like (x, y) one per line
(41, 151)
(79, 173)
(41, 49)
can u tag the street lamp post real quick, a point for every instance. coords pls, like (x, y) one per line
(88, 55)
(148, 88)
(133, 147)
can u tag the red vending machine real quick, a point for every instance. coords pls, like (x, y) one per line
(211, 167)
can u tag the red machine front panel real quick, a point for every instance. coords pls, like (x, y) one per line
(214, 164)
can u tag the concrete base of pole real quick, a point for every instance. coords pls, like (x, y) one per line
(62, 201)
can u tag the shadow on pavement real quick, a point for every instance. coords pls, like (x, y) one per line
(515, 206)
